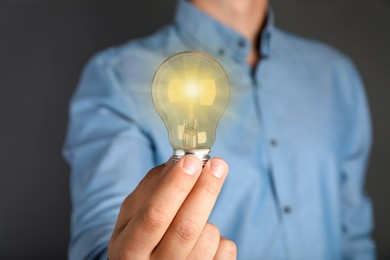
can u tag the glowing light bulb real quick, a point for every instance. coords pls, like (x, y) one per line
(190, 92)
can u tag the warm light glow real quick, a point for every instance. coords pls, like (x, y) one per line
(190, 92)
(175, 91)
(208, 92)
(202, 92)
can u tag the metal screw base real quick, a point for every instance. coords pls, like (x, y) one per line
(202, 154)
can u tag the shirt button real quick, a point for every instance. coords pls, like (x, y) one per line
(273, 142)
(241, 43)
(287, 210)
(344, 228)
(221, 52)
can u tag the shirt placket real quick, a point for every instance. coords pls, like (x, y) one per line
(274, 159)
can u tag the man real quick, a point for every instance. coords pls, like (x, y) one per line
(296, 136)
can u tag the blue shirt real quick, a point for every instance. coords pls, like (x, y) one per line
(296, 136)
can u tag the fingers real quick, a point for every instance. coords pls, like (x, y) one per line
(227, 250)
(194, 213)
(134, 201)
(150, 222)
(207, 245)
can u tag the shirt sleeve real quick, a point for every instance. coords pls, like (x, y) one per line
(109, 153)
(356, 209)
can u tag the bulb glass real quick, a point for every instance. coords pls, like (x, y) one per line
(190, 92)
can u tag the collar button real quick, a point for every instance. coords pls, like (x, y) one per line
(241, 43)
(273, 142)
(221, 52)
(287, 210)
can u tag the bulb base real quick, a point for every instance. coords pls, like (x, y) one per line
(202, 154)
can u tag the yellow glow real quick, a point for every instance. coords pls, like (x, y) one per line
(208, 92)
(174, 91)
(190, 92)
(202, 93)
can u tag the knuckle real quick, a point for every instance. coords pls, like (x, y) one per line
(153, 218)
(154, 173)
(212, 232)
(230, 248)
(211, 188)
(150, 178)
(126, 201)
(180, 188)
(186, 230)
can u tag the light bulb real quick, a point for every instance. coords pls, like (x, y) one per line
(190, 92)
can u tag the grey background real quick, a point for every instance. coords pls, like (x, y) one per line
(43, 47)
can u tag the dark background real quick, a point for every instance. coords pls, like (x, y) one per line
(43, 47)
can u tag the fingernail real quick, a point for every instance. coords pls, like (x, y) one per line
(191, 165)
(218, 168)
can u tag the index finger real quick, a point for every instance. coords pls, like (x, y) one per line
(189, 222)
(147, 227)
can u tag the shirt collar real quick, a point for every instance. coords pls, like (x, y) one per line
(204, 33)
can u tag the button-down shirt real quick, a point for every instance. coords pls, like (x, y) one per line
(296, 135)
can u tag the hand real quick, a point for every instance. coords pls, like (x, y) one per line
(166, 215)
